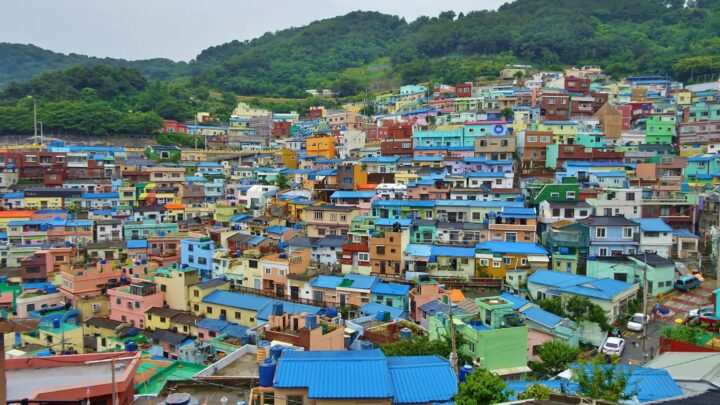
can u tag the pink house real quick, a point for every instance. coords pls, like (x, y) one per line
(82, 282)
(425, 292)
(35, 299)
(427, 190)
(129, 303)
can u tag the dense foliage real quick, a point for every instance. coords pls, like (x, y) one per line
(535, 391)
(361, 49)
(555, 357)
(481, 388)
(422, 346)
(598, 380)
(687, 334)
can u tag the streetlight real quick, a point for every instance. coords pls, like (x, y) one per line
(35, 121)
(41, 133)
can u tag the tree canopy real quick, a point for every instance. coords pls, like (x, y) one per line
(480, 388)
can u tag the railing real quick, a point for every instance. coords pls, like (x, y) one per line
(273, 294)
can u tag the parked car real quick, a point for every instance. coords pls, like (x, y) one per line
(702, 311)
(637, 322)
(687, 283)
(613, 345)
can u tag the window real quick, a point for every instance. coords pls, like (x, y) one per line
(318, 215)
(627, 232)
(602, 252)
(506, 260)
(600, 232)
(570, 194)
(629, 196)
(380, 250)
(483, 262)
(554, 195)
(583, 213)
(556, 212)
(333, 217)
(532, 138)
(118, 301)
(496, 263)
(523, 261)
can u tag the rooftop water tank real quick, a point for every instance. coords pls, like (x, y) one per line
(366, 345)
(406, 333)
(331, 312)
(56, 323)
(267, 373)
(131, 347)
(465, 371)
(276, 351)
(51, 289)
(310, 322)
(179, 398)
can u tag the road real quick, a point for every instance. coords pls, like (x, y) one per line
(678, 303)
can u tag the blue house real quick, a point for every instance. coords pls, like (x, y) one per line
(324, 376)
(198, 253)
(612, 295)
(392, 295)
(612, 235)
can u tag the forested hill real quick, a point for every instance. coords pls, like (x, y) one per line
(353, 52)
(20, 62)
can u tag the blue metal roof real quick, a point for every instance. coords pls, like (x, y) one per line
(518, 302)
(390, 289)
(237, 300)
(380, 159)
(360, 281)
(330, 282)
(287, 308)
(335, 374)
(427, 159)
(403, 203)
(541, 316)
(513, 247)
(652, 384)
(576, 163)
(653, 225)
(372, 308)
(277, 229)
(326, 374)
(604, 288)
(609, 174)
(513, 212)
(415, 249)
(684, 233)
(452, 251)
(484, 174)
(137, 244)
(352, 194)
(411, 377)
(13, 195)
(392, 221)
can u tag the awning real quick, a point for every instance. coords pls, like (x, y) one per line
(538, 258)
(511, 370)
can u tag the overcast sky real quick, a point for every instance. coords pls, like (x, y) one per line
(180, 29)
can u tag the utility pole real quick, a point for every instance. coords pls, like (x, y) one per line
(112, 362)
(35, 121)
(453, 347)
(645, 285)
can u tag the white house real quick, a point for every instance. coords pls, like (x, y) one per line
(655, 236)
(618, 201)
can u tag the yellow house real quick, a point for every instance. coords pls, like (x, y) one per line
(287, 157)
(127, 196)
(159, 318)
(201, 290)
(234, 307)
(97, 326)
(7, 216)
(175, 281)
(322, 220)
(246, 271)
(494, 259)
(564, 132)
(406, 175)
(43, 203)
(321, 146)
(68, 336)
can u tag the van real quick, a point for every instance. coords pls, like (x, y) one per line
(687, 283)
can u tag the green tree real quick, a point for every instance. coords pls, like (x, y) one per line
(507, 113)
(553, 305)
(598, 380)
(536, 391)
(555, 357)
(582, 309)
(281, 181)
(421, 345)
(480, 388)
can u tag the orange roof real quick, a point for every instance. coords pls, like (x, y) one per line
(175, 206)
(456, 295)
(366, 186)
(16, 214)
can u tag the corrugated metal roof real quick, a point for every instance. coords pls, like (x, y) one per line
(411, 377)
(390, 289)
(541, 316)
(372, 308)
(513, 247)
(336, 374)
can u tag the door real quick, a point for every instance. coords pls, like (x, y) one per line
(343, 300)
(568, 267)
(355, 262)
(257, 284)
(280, 290)
(318, 296)
(294, 292)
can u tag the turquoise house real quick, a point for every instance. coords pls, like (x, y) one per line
(392, 295)
(630, 269)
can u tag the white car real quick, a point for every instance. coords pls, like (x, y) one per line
(637, 322)
(702, 311)
(613, 345)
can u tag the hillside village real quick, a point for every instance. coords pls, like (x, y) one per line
(286, 257)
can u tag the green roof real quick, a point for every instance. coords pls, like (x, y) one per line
(178, 371)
